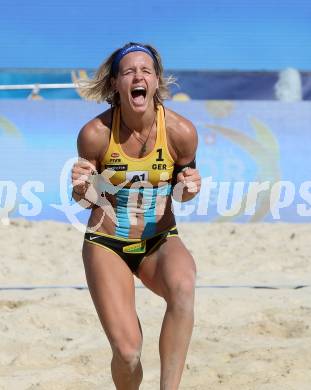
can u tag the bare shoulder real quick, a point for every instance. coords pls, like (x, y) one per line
(94, 136)
(181, 135)
(96, 127)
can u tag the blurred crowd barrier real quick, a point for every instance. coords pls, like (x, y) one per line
(286, 85)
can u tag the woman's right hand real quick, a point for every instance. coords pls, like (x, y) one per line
(80, 175)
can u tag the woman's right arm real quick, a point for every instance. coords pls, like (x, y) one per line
(92, 143)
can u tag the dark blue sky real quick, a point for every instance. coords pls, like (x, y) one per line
(222, 34)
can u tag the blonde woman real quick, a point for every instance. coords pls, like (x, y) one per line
(148, 152)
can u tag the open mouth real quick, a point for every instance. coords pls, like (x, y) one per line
(139, 94)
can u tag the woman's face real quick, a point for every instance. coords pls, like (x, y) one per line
(136, 81)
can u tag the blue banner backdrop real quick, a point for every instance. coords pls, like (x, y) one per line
(242, 145)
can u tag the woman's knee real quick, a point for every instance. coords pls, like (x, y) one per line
(127, 353)
(179, 292)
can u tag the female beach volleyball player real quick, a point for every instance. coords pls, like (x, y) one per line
(146, 154)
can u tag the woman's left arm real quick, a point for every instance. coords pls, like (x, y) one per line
(186, 177)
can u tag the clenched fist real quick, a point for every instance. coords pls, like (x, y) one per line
(80, 175)
(188, 184)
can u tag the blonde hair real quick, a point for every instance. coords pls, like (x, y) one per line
(101, 89)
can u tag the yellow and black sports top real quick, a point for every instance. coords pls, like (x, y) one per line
(149, 177)
(155, 167)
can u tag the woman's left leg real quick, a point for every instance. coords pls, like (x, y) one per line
(170, 272)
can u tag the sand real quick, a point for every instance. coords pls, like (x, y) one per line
(244, 338)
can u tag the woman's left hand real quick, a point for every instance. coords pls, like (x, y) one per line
(191, 180)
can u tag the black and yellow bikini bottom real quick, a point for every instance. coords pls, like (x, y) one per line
(132, 251)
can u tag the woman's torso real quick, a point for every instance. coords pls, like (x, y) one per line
(136, 192)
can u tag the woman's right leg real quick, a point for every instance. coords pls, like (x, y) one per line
(111, 285)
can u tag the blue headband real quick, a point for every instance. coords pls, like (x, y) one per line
(123, 52)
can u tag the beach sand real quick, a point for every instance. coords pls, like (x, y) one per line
(244, 338)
